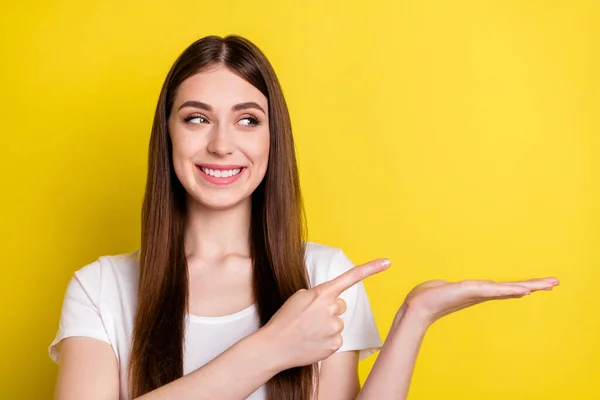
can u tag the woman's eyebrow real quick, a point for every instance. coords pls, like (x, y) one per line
(196, 104)
(237, 107)
(247, 105)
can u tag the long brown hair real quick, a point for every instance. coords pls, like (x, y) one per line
(276, 228)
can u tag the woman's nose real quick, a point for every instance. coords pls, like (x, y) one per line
(220, 141)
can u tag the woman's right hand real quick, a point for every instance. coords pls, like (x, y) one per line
(307, 328)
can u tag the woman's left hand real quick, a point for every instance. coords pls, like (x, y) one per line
(429, 301)
(432, 300)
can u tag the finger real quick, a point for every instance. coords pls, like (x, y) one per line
(349, 278)
(338, 341)
(534, 284)
(507, 296)
(340, 307)
(482, 300)
(340, 327)
(497, 290)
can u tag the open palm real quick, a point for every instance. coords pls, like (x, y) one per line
(437, 298)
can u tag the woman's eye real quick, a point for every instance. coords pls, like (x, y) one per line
(196, 119)
(249, 121)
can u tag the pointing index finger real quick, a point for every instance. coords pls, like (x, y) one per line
(350, 278)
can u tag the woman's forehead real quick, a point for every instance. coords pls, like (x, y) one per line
(219, 87)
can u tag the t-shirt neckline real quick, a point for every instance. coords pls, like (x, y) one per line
(222, 318)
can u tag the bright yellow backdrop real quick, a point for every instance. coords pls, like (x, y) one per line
(458, 138)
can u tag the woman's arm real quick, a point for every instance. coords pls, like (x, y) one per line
(392, 372)
(88, 369)
(338, 378)
(234, 374)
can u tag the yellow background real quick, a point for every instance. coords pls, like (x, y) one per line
(458, 138)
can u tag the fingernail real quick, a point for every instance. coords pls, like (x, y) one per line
(385, 263)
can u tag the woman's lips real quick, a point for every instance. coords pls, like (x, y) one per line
(220, 174)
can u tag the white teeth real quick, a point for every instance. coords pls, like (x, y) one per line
(221, 173)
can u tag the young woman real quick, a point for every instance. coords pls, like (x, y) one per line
(224, 299)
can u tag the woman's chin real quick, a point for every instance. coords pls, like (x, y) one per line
(219, 204)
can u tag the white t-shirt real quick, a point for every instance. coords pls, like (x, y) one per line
(100, 302)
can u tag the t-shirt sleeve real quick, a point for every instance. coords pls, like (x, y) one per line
(360, 331)
(80, 314)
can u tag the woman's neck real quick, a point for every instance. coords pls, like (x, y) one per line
(213, 234)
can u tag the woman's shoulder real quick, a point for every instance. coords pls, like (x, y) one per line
(318, 252)
(110, 270)
(122, 263)
(325, 263)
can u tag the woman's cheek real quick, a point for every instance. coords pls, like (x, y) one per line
(264, 147)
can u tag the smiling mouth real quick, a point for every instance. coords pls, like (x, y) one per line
(220, 173)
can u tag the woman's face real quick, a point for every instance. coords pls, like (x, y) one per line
(219, 128)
